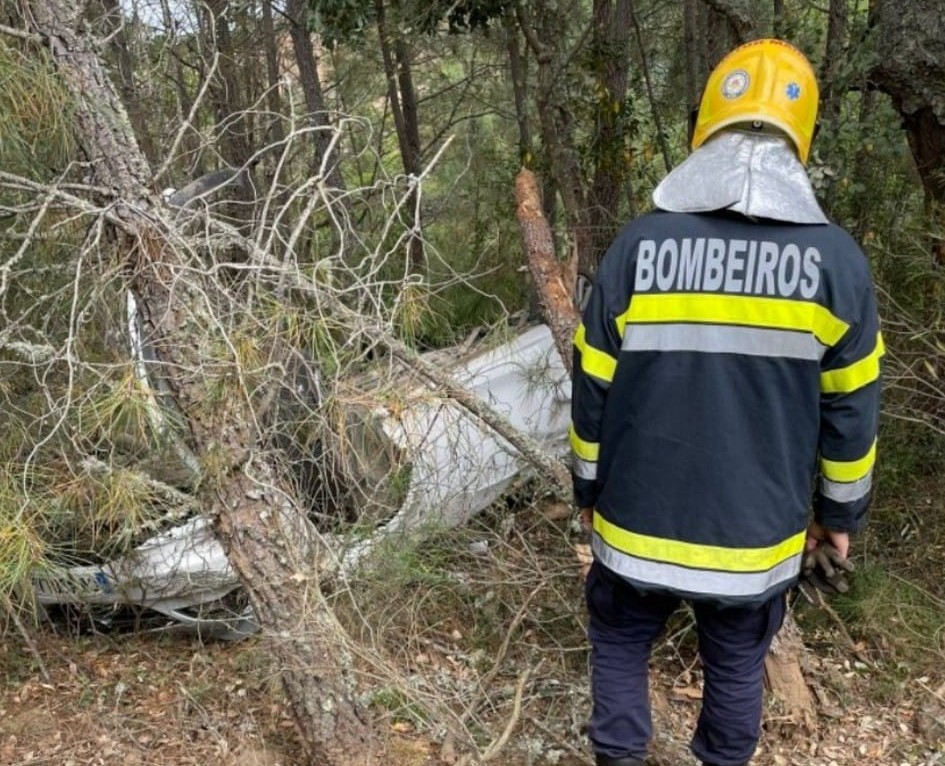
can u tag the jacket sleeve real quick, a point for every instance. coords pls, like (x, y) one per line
(849, 417)
(596, 347)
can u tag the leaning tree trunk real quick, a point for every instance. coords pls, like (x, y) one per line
(552, 278)
(253, 517)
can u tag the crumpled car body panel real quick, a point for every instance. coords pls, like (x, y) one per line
(459, 466)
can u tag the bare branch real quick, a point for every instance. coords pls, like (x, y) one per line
(21, 34)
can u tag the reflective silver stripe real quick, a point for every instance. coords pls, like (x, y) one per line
(583, 469)
(723, 339)
(846, 491)
(698, 581)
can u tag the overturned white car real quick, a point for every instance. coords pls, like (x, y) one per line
(457, 467)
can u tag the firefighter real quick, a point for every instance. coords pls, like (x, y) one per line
(726, 382)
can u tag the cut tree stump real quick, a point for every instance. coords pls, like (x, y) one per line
(784, 676)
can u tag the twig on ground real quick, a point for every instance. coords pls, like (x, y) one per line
(27, 638)
(496, 747)
(503, 649)
(816, 598)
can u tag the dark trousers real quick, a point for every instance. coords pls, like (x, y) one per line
(733, 643)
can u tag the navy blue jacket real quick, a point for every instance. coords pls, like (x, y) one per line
(726, 377)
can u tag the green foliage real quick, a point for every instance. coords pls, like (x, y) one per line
(341, 21)
(902, 622)
(57, 413)
(462, 16)
(21, 544)
(35, 114)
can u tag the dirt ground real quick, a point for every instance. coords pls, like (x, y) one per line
(168, 699)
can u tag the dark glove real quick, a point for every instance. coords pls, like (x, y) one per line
(825, 569)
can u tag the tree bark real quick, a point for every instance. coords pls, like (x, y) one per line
(546, 36)
(722, 28)
(226, 94)
(611, 52)
(269, 44)
(741, 16)
(785, 677)
(650, 93)
(518, 76)
(777, 18)
(185, 101)
(396, 56)
(832, 92)
(551, 279)
(254, 518)
(910, 42)
(695, 76)
(115, 28)
(307, 62)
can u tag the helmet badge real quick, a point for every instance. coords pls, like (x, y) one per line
(793, 91)
(735, 83)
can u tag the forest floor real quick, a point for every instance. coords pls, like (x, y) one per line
(481, 651)
(165, 699)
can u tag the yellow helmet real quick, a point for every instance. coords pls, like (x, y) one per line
(766, 81)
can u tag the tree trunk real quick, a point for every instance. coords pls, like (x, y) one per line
(276, 132)
(307, 63)
(546, 36)
(778, 20)
(185, 101)
(552, 282)
(396, 56)
(115, 29)
(695, 76)
(518, 76)
(719, 32)
(910, 39)
(226, 94)
(650, 93)
(832, 91)
(611, 55)
(740, 15)
(254, 518)
(785, 677)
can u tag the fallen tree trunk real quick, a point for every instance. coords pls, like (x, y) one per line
(254, 517)
(267, 539)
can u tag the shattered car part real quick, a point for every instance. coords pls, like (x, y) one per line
(178, 573)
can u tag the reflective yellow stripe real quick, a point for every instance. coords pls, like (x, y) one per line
(585, 450)
(736, 586)
(594, 361)
(697, 556)
(853, 470)
(746, 310)
(856, 375)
